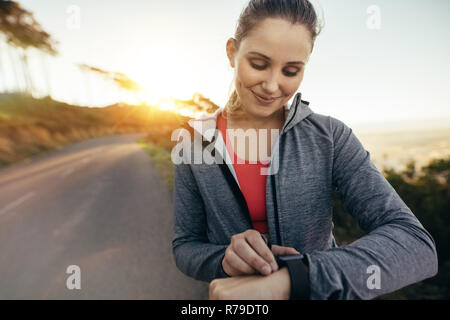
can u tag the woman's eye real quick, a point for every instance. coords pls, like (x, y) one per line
(262, 67)
(290, 74)
(256, 66)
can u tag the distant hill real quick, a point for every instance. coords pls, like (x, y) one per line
(395, 149)
(424, 124)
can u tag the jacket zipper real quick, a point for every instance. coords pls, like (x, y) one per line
(233, 185)
(243, 203)
(277, 223)
(238, 192)
(274, 189)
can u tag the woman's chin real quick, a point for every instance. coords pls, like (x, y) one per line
(262, 111)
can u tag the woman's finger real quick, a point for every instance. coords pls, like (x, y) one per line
(283, 251)
(243, 249)
(236, 264)
(258, 244)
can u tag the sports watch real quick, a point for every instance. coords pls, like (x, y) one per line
(297, 266)
(299, 274)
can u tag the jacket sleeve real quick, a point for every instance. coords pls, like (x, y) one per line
(194, 255)
(396, 250)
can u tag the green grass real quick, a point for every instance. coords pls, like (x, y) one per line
(162, 160)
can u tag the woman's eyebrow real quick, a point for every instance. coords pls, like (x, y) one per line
(267, 58)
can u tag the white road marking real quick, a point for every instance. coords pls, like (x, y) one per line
(17, 202)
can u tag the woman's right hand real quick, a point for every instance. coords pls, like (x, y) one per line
(248, 254)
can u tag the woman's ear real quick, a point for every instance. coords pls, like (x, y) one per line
(231, 51)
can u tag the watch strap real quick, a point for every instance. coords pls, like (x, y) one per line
(298, 273)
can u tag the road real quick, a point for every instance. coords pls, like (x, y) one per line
(99, 205)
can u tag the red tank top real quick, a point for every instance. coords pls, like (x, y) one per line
(252, 182)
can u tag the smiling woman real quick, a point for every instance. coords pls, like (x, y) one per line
(269, 53)
(233, 222)
(266, 70)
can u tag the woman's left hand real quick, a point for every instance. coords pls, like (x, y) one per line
(283, 251)
(275, 286)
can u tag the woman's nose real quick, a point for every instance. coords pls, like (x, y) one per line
(270, 84)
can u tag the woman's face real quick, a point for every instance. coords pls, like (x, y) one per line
(270, 63)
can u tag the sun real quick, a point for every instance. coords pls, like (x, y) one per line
(167, 104)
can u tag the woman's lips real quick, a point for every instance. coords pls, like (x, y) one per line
(262, 100)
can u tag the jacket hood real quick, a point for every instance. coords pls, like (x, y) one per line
(296, 112)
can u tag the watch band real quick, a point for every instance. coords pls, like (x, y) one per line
(296, 265)
(298, 272)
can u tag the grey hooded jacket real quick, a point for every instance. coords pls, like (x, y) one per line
(315, 153)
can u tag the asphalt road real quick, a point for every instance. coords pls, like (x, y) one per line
(99, 205)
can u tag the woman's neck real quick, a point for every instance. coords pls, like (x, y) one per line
(248, 122)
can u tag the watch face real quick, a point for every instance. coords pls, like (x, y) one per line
(282, 260)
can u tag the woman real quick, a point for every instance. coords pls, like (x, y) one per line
(227, 214)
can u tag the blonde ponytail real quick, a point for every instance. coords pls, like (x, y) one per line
(234, 108)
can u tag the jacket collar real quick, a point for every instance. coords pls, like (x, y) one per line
(297, 111)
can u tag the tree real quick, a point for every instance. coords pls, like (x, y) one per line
(21, 31)
(121, 80)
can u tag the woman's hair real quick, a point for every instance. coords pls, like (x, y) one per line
(299, 12)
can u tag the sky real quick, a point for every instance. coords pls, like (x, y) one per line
(363, 70)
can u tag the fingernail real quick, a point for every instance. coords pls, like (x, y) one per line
(274, 266)
(266, 270)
